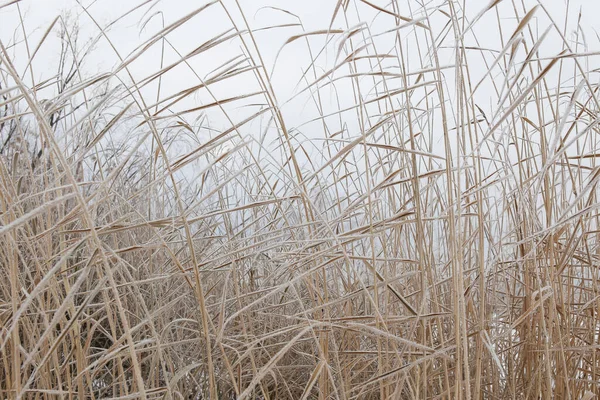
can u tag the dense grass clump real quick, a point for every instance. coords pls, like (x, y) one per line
(397, 201)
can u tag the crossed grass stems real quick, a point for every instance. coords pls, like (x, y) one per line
(405, 241)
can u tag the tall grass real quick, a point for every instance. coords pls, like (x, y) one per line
(428, 230)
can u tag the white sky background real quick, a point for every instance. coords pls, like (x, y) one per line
(293, 59)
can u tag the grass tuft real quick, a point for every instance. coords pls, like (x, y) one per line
(395, 204)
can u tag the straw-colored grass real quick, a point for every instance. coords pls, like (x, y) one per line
(428, 230)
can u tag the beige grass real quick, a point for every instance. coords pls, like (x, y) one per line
(410, 244)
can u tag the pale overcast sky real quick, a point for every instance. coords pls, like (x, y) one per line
(126, 34)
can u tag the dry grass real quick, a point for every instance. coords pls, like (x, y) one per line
(406, 241)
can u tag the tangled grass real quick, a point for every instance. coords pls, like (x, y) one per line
(418, 221)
